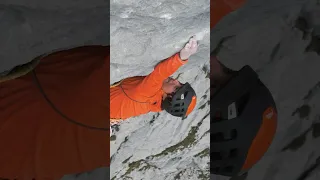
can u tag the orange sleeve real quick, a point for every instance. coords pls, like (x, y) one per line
(153, 82)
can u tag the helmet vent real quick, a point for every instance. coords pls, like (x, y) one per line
(242, 102)
(219, 137)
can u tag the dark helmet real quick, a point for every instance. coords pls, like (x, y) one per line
(243, 123)
(182, 102)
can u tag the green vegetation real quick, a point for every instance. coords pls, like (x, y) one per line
(204, 153)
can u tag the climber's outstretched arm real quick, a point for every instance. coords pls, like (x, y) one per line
(153, 82)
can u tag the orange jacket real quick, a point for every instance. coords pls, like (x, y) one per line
(220, 8)
(37, 142)
(139, 95)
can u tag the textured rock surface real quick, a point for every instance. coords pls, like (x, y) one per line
(33, 28)
(266, 35)
(160, 146)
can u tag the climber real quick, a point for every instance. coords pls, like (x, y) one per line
(155, 92)
(54, 116)
(243, 112)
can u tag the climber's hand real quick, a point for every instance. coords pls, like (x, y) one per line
(189, 49)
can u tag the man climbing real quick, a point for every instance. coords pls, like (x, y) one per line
(243, 113)
(155, 92)
(54, 116)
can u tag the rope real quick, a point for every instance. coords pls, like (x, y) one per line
(59, 112)
(128, 96)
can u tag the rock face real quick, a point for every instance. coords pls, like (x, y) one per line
(274, 37)
(160, 146)
(33, 28)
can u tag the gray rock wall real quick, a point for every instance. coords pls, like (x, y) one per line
(160, 146)
(30, 29)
